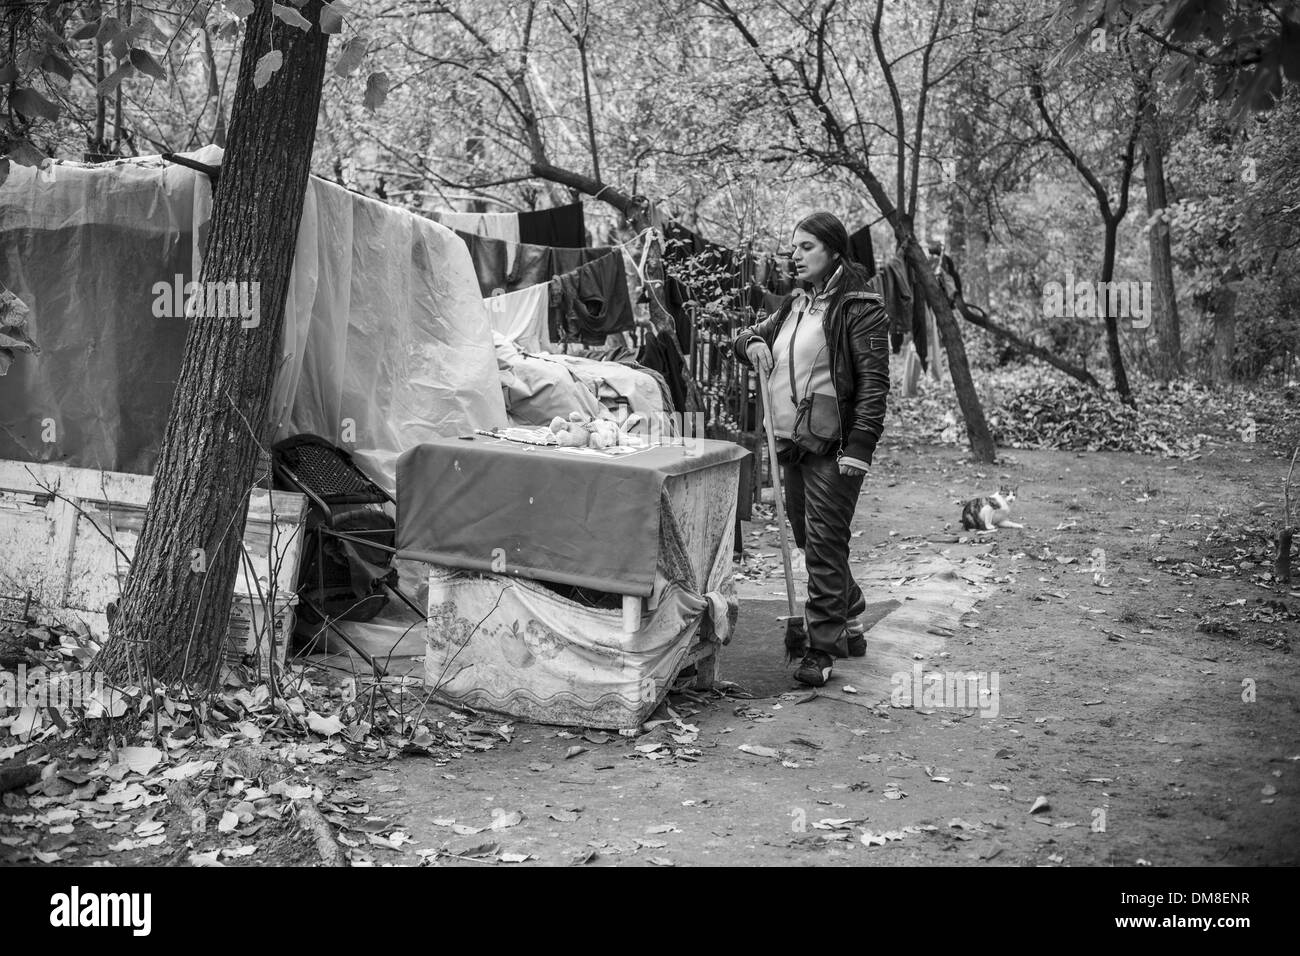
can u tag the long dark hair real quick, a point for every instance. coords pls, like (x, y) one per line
(827, 229)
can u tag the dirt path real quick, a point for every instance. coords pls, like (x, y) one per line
(1149, 739)
(1130, 722)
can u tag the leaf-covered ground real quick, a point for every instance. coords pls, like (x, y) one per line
(1147, 716)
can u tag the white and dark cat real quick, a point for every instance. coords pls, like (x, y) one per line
(991, 512)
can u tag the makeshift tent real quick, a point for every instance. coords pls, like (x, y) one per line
(385, 336)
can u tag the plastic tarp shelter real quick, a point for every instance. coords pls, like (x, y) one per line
(386, 339)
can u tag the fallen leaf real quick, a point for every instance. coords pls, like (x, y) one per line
(191, 768)
(759, 751)
(833, 824)
(574, 751)
(325, 726)
(502, 820)
(1040, 804)
(140, 760)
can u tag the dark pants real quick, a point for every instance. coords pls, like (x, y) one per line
(820, 503)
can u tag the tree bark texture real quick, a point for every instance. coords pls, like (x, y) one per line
(1164, 304)
(982, 446)
(173, 617)
(1224, 303)
(1112, 322)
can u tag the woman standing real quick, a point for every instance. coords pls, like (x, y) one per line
(826, 350)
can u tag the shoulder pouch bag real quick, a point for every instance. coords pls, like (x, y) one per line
(816, 416)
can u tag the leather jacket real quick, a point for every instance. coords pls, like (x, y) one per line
(856, 326)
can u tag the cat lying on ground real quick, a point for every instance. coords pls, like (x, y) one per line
(990, 513)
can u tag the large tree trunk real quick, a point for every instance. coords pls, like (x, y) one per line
(967, 241)
(1164, 307)
(977, 429)
(1112, 323)
(173, 616)
(975, 274)
(1224, 304)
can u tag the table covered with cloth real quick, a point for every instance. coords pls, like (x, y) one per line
(496, 519)
(552, 514)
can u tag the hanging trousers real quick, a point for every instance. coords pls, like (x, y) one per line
(820, 503)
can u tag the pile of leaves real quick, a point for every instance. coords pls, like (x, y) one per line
(1043, 409)
(1070, 416)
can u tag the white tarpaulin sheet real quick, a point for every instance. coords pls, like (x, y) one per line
(385, 337)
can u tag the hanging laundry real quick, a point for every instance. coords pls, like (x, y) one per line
(521, 317)
(860, 250)
(490, 225)
(911, 373)
(676, 295)
(893, 284)
(532, 264)
(920, 328)
(938, 358)
(563, 226)
(660, 354)
(499, 271)
(592, 301)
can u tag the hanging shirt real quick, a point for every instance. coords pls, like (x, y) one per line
(562, 226)
(521, 317)
(592, 301)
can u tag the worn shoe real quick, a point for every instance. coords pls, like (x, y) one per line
(815, 669)
(857, 638)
